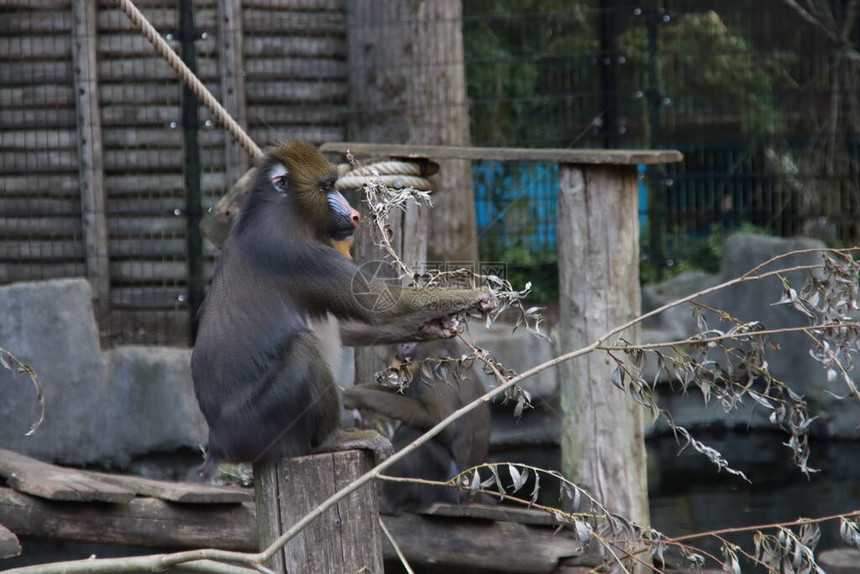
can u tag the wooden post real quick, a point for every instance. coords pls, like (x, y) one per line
(602, 441)
(344, 540)
(232, 82)
(91, 152)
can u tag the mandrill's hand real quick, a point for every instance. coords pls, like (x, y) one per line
(440, 328)
(486, 302)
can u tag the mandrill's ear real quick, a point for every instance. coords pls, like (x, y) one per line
(279, 176)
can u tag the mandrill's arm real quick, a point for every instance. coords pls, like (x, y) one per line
(357, 334)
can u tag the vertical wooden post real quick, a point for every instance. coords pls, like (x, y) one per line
(602, 438)
(91, 152)
(231, 63)
(345, 539)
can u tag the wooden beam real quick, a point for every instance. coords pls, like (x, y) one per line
(91, 158)
(602, 439)
(561, 156)
(141, 522)
(230, 42)
(345, 539)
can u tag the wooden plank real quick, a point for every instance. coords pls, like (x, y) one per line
(137, 115)
(128, 137)
(153, 297)
(39, 161)
(312, 134)
(447, 544)
(149, 184)
(294, 5)
(158, 159)
(317, 115)
(32, 22)
(150, 69)
(281, 92)
(293, 23)
(296, 68)
(187, 492)
(42, 250)
(129, 45)
(11, 207)
(136, 270)
(283, 47)
(568, 156)
(39, 227)
(159, 94)
(44, 480)
(141, 522)
(9, 545)
(490, 512)
(346, 539)
(48, 139)
(230, 43)
(40, 185)
(34, 4)
(11, 272)
(39, 95)
(598, 265)
(91, 153)
(35, 48)
(19, 72)
(170, 248)
(37, 118)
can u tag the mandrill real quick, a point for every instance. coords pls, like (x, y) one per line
(263, 364)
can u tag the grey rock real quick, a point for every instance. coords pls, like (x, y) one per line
(158, 411)
(519, 350)
(104, 408)
(840, 561)
(50, 326)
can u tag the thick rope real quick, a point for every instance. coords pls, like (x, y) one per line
(394, 174)
(187, 76)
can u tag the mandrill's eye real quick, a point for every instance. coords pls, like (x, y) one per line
(280, 183)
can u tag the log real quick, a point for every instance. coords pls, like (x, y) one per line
(128, 114)
(40, 227)
(155, 94)
(346, 539)
(48, 139)
(56, 72)
(35, 48)
(158, 159)
(312, 134)
(296, 68)
(46, 96)
(34, 4)
(11, 272)
(42, 250)
(141, 522)
(151, 69)
(39, 207)
(39, 161)
(130, 137)
(140, 270)
(145, 184)
(91, 153)
(603, 446)
(282, 92)
(269, 21)
(155, 297)
(318, 115)
(295, 5)
(38, 118)
(282, 47)
(230, 48)
(41, 185)
(135, 227)
(35, 23)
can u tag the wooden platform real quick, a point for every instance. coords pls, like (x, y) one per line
(47, 501)
(561, 156)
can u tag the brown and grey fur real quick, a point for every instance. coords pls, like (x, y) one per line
(261, 373)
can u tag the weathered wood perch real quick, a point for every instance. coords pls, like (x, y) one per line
(164, 515)
(345, 539)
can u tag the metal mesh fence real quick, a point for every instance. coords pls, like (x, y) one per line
(106, 165)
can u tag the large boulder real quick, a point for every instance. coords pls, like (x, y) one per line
(103, 408)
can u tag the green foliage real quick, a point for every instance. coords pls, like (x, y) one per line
(699, 54)
(510, 46)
